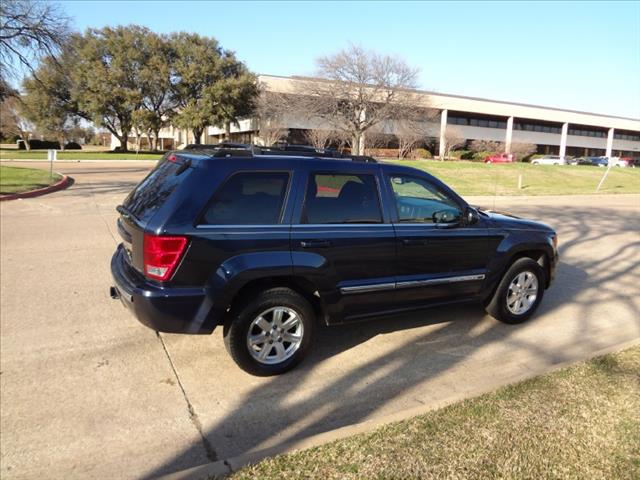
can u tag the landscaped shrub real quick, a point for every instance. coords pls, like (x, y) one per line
(421, 153)
(44, 145)
(457, 154)
(73, 146)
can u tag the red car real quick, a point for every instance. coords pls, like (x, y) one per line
(500, 158)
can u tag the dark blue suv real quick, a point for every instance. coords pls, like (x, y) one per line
(267, 245)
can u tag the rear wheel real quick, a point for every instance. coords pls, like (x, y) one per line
(519, 293)
(272, 333)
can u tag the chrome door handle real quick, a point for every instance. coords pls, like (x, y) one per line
(315, 243)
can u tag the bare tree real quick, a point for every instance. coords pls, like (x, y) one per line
(452, 140)
(320, 139)
(13, 122)
(29, 29)
(487, 146)
(375, 139)
(520, 150)
(270, 111)
(409, 133)
(271, 132)
(358, 90)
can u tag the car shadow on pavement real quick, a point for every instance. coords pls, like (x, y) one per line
(271, 415)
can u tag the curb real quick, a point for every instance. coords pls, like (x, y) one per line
(61, 184)
(222, 468)
(105, 160)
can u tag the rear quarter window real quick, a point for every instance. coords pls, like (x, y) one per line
(150, 194)
(248, 198)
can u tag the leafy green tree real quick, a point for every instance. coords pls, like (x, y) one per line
(156, 77)
(211, 86)
(197, 69)
(47, 101)
(235, 95)
(107, 76)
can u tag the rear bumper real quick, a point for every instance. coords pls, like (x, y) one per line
(164, 309)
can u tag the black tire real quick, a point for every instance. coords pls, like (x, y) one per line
(497, 306)
(237, 330)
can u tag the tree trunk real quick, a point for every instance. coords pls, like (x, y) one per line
(355, 144)
(123, 141)
(227, 131)
(61, 140)
(197, 135)
(156, 139)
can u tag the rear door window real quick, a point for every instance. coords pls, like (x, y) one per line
(248, 198)
(339, 198)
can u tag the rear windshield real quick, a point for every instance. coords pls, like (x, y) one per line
(154, 190)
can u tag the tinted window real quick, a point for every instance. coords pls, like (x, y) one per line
(418, 200)
(341, 199)
(251, 198)
(150, 194)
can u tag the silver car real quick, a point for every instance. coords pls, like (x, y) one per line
(549, 160)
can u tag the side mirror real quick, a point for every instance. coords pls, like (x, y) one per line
(446, 218)
(471, 216)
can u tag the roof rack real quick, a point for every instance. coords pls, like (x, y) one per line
(230, 149)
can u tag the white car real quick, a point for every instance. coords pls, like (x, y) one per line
(549, 160)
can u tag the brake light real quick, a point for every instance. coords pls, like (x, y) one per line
(162, 255)
(172, 159)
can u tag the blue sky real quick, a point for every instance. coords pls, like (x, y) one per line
(576, 55)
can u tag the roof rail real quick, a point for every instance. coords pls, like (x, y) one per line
(230, 149)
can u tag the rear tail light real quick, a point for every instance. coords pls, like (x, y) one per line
(162, 255)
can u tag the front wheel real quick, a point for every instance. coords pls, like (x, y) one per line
(519, 293)
(272, 333)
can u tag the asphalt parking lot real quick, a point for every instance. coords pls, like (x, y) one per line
(86, 391)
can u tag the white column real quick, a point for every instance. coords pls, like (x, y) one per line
(609, 142)
(507, 140)
(563, 139)
(443, 132)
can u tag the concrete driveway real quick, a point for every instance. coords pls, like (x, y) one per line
(88, 392)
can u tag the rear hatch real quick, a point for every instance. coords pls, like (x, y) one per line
(146, 199)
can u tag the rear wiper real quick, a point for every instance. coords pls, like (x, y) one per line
(124, 211)
(186, 164)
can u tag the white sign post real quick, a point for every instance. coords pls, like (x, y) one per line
(51, 156)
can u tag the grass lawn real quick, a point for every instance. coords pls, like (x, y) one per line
(582, 422)
(14, 154)
(18, 179)
(470, 178)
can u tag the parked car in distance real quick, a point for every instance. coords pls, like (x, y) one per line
(549, 160)
(620, 161)
(267, 246)
(500, 158)
(593, 161)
